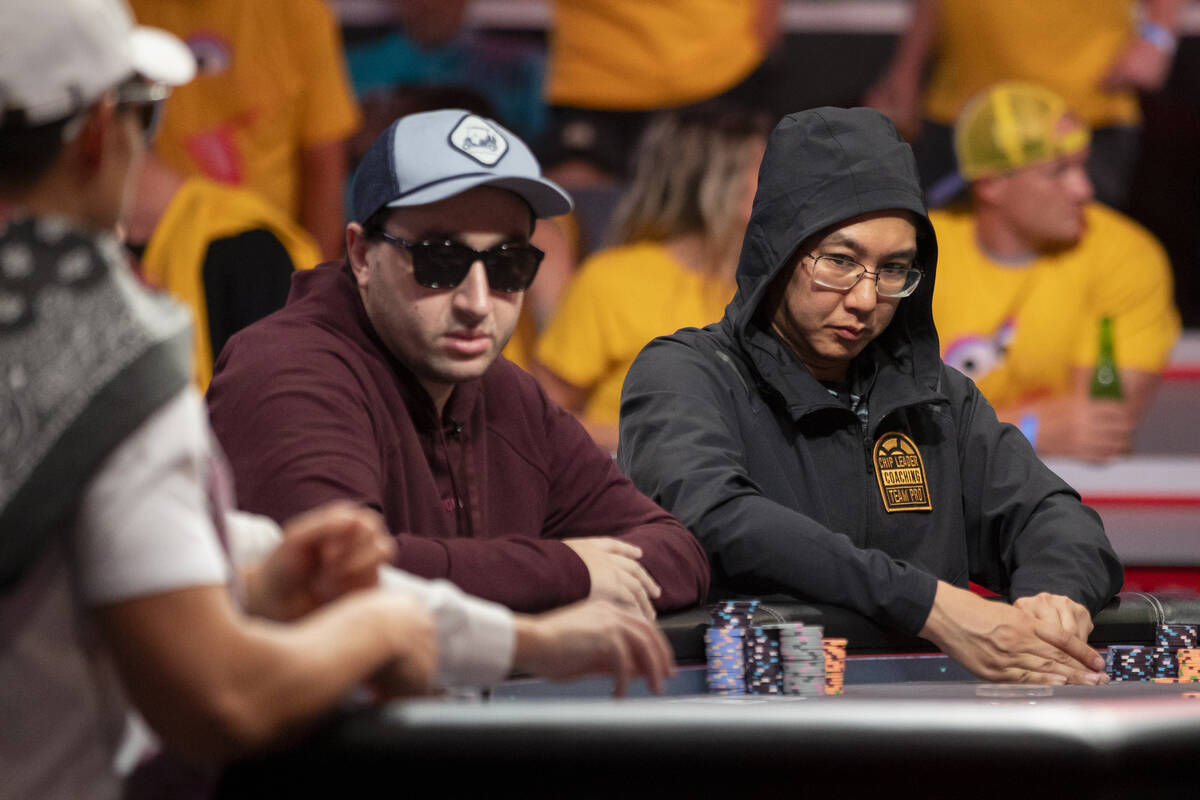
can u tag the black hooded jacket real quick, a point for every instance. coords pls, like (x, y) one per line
(782, 483)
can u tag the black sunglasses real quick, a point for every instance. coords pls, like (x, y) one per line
(445, 264)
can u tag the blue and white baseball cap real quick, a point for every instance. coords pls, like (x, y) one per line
(59, 56)
(427, 157)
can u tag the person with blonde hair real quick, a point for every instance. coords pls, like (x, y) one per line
(677, 235)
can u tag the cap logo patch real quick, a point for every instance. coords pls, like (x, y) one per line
(900, 472)
(476, 137)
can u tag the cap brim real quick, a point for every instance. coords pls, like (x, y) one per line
(545, 197)
(161, 57)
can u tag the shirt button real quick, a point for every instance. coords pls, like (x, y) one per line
(448, 504)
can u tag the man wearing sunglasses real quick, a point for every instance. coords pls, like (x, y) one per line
(381, 382)
(816, 444)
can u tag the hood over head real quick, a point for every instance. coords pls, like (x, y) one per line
(822, 167)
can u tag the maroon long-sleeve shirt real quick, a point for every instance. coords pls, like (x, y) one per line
(310, 406)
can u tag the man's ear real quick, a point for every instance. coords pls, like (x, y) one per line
(356, 253)
(988, 190)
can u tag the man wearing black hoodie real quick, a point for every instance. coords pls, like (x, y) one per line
(816, 444)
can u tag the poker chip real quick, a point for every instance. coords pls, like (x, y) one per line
(1189, 664)
(1127, 662)
(782, 658)
(835, 665)
(1130, 662)
(725, 652)
(1175, 635)
(803, 659)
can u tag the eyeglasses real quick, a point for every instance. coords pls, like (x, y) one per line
(147, 100)
(445, 264)
(843, 274)
(135, 94)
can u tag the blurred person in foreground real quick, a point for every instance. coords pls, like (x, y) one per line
(677, 233)
(127, 579)
(817, 446)
(381, 382)
(1032, 265)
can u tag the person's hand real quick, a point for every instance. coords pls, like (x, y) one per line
(1080, 427)
(593, 637)
(325, 553)
(999, 642)
(1140, 67)
(616, 574)
(413, 669)
(1060, 610)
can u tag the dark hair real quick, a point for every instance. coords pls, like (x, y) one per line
(27, 153)
(374, 225)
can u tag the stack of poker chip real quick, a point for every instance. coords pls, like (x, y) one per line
(1130, 662)
(725, 645)
(835, 664)
(1176, 636)
(1161, 663)
(803, 659)
(1165, 663)
(1189, 664)
(764, 672)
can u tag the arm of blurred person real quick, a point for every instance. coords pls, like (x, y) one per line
(322, 187)
(574, 398)
(339, 548)
(593, 638)
(1077, 426)
(322, 555)
(431, 23)
(1145, 63)
(767, 29)
(897, 93)
(214, 683)
(211, 680)
(1026, 642)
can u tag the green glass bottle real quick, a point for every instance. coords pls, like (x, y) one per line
(1106, 381)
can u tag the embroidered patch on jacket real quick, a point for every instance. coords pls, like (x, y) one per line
(901, 474)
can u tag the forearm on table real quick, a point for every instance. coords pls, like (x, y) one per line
(224, 684)
(676, 561)
(520, 572)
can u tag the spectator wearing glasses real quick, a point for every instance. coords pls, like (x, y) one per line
(1030, 236)
(381, 382)
(816, 444)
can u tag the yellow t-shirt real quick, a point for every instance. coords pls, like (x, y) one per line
(201, 212)
(272, 81)
(1064, 45)
(620, 299)
(626, 55)
(1020, 330)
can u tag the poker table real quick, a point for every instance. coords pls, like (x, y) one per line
(910, 722)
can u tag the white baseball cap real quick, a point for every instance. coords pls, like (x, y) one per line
(427, 157)
(59, 56)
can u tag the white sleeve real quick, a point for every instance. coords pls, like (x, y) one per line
(144, 523)
(475, 637)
